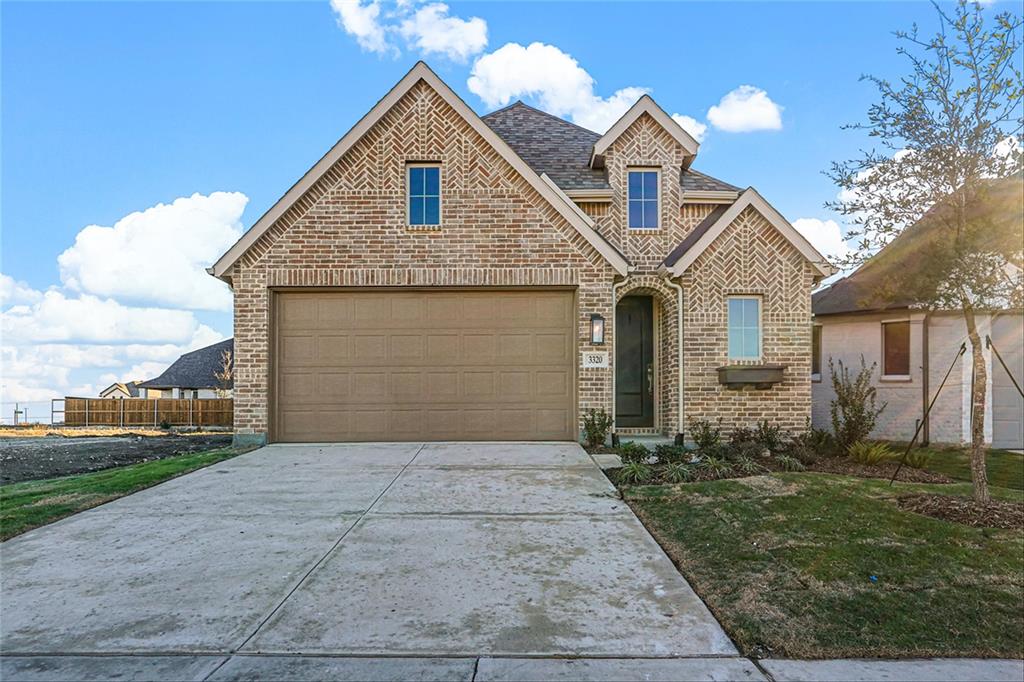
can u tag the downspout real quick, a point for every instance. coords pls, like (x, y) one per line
(925, 434)
(679, 352)
(615, 341)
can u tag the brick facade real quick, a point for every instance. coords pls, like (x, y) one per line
(349, 230)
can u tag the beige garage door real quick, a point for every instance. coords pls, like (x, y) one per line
(424, 365)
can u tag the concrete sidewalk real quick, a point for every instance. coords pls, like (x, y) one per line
(278, 667)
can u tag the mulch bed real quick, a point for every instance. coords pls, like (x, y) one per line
(847, 467)
(995, 514)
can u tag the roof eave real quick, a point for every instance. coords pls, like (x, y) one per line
(645, 105)
(419, 72)
(750, 197)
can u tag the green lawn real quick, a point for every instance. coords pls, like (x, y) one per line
(786, 561)
(27, 505)
(1005, 469)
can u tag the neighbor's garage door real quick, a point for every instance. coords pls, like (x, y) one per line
(1007, 404)
(424, 365)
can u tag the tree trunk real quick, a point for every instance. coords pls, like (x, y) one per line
(979, 473)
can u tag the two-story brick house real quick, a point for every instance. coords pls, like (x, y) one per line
(438, 275)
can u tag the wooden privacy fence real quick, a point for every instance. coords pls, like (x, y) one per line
(149, 411)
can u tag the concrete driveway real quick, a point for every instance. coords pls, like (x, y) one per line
(417, 550)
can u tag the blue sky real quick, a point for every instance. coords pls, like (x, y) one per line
(110, 109)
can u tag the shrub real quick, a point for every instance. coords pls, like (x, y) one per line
(745, 450)
(677, 472)
(670, 453)
(748, 467)
(716, 467)
(741, 435)
(705, 435)
(917, 459)
(635, 471)
(853, 410)
(866, 452)
(634, 452)
(768, 436)
(165, 425)
(596, 424)
(819, 440)
(802, 453)
(789, 463)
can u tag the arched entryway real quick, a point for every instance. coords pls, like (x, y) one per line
(646, 357)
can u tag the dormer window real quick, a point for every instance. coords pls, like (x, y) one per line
(424, 188)
(643, 199)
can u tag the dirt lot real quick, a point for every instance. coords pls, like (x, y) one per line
(25, 459)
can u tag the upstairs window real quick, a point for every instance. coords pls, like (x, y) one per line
(744, 328)
(643, 199)
(424, 184)
(896, 349)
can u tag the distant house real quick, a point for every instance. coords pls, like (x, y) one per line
(914, 345)
(128, 389)
(193, 375)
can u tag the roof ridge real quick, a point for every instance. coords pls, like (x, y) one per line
(521, 103)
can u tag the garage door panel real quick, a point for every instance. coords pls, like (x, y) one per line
(379, 365)
(332, 348)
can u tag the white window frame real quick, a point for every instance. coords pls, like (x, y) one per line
(881, 328)
(760, 326)
(816, 376)
(408, 194)
(644, 169)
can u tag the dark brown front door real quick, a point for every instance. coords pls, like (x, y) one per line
(634, 362)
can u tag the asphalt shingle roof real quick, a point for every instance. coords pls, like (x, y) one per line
(195, 369)
(875, 285)
(561, 149)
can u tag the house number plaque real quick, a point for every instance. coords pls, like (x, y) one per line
(595, 359)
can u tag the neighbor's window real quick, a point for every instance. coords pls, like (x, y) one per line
(424, 182)
(643, 199)
(744, 328)
(896, 349)
(816, 351)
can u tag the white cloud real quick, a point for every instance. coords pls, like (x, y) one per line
(432, 31)
(825, 235)
(159, 255)
(556, 80)
(15, 291)
(426, 27)
(746, 109)
(691, 125)
(89, 319)
(362, 22)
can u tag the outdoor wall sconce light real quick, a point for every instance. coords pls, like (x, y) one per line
(596, 329)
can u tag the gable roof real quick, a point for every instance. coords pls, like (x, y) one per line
(873, 287)
(195, 369)
(419, 72)
(709, 229)
(561, 150)
(130, 388)
(646, 105)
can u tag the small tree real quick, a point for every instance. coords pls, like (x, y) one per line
(854, 410)
(225, 375)
(946, 130)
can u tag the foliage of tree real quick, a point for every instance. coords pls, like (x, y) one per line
(946, 142)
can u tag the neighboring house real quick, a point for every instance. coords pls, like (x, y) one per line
(914, 347)
(193, 375)
(128, 389)
(438, 275)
